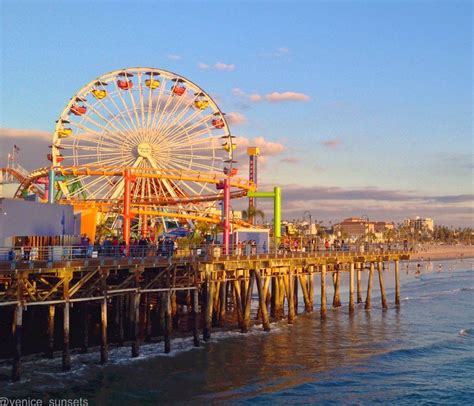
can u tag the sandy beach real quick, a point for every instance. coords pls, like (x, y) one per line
(436, 252)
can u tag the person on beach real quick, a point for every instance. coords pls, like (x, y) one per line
(418, 270)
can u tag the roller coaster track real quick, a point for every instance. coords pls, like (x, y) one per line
(26, 181)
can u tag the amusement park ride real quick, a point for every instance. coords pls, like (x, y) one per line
(148, 143)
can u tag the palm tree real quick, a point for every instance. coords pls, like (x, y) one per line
(251, 213)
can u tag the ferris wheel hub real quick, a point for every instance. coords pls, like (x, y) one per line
(144, 149)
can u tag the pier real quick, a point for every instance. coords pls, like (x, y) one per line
(137, 299)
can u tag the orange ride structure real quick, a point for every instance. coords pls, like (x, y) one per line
(142, 142)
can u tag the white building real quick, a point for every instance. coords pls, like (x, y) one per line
(419, 224)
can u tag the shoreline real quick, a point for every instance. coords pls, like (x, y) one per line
(440, 252)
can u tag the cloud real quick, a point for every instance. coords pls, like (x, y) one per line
(335, 204)
(237, 92)
(20, 133)
(281, 52)
(33, 146)
(224, 66)
(236, 118)
(174, 57)
(290, 160)
(334, 143)
(276, 97)
(255, 97)
(217, 66)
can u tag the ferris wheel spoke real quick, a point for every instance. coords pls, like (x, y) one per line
(115, 117)
(184, 132)
(173, 127)
(141, 98)
(156, 123)
(195, 164)
(170, 116)
(125, 129)
(87, 130)
(92, 148)
(189, 123)
(125, 106)
(119, 131)
(150, 124)
(103, 189)
(83, 137)
(132, 98)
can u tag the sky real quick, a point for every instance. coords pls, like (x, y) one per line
(359, 107)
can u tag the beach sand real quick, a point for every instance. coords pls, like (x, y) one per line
(437, 252)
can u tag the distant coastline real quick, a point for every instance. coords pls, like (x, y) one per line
(438, 252)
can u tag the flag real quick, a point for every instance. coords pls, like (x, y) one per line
(17, 149)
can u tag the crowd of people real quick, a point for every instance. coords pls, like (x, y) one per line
(139, 247)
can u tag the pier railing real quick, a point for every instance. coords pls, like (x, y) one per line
(198, 252)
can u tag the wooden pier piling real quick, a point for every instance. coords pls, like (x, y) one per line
(208, 288)
(336, 301)
(351, 288)
(17, 338)
(360, 268)
(196, 317)
(311, 288)
(323, 292)
(209, 302)
(50, 331)
(168, 322)
(66, 360)
(368, 299)
(262, 300)
(383, 296)
(397, 283)
(290, 290)
(135, 325)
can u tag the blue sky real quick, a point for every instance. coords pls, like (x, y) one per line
(379, 92)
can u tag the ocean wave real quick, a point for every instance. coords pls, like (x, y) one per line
(465, 332)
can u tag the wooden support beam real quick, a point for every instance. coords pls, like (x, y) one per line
(360, 267)
(262, 300)
(168, 321)
(274, 296)
(104, 348)
(281, 297)
(295, 292)
(247, 301)
(238, 303)
(323, 292)
(369, 286)
(66, 360)
(351, 288)
(135, 325)
(288, 281)
(222, 303)
(383, 296)
(336, 301)
(308, 306)
(397, 283)
(196, 317)
(17, 338)
(50, 331)
(311, 287)
(120, 303)
(209, 302)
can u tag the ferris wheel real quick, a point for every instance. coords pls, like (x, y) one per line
(145, 119)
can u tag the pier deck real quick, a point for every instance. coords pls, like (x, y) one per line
(146, 297)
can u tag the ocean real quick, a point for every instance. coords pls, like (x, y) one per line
(421, 353)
